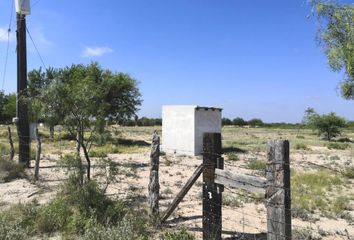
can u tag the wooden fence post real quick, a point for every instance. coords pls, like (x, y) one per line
(278, 191)
(12, 149)
(212, 199)
(154, 186)
(38, 155)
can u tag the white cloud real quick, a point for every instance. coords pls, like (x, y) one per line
(95, 51)
(40, 38)
(4, 35)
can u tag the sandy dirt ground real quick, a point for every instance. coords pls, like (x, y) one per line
(249, 219)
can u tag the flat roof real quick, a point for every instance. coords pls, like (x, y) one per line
(196, 107)
(208, 108)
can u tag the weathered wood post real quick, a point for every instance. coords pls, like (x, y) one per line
(212, 199)
(12, 149)
(154, 186)
(38, 154)
(278, 191)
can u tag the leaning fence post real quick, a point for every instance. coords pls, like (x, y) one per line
(154, 186)
(38, 154)
(278, 191)
(12, 149)
(212, 200)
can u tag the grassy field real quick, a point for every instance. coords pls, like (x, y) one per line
(322, 187)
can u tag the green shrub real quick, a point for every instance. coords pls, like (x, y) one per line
(16, 222)
(102, 151)
(231, 201)
(98, 153)
(103, 138)
(232, 156)
(12, 230)
(301, 146)
(330, 125)
(310, 191)
(44, 134)
(76, 223)
(300, 137)
(131, 227)
(339, 146)
(301, 213)
(180, 235)
(4, 149)
(340, 204)
(167, 191)
(53, 216)
(349, 172)
(85, 197)
(305, 234)
(9, 170)
(67, 136)
(259, 165)
(80, 209)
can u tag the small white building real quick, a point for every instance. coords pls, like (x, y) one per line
(183, 127)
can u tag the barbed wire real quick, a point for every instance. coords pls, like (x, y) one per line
(229, 224)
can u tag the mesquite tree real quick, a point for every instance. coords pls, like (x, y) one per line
(336, 36)
(83, 96)
(329, 125)
(38, 80)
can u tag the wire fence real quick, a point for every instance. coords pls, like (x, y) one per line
(241, 221)
(244, 215)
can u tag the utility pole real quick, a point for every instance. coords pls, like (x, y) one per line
(22, 9)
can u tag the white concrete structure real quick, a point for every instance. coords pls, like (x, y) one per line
(183, 127)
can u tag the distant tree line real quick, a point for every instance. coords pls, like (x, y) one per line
(255, 122)
(142, 122)
(241, 122)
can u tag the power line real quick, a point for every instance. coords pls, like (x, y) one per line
(7, 47)
(34, 4)
(39, 55)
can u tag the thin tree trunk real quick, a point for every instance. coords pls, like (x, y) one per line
(51, 132)
(101, 130)
(12, 149)
(78, 145)
(87, 160)
(38, 155)
(78, 157)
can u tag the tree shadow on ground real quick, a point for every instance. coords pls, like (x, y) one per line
(233, 235)
(245, 236)
(130, 142)
(137, 200)
(344, 140)
(134, 165)
(234, 150)
(181, 219)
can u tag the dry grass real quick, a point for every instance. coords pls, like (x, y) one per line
(316, 192)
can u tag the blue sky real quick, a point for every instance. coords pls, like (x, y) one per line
(251, 58)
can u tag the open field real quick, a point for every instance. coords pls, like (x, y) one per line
(322, 179)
